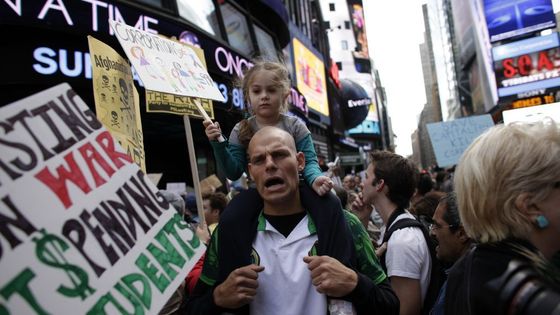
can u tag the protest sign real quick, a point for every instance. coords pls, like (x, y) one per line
(450, 138)
(210, 183)
(165, 65)
(176, 104)
(116, 99)
(83, 230)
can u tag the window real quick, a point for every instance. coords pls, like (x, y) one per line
(327, 24)
(200, 13)
(347, 25)
(331, 7)
(237, 29)
(344, 44)
(266, 44)
(155, 3)
(339, 65)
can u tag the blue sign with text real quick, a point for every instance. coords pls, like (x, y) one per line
(451, 138)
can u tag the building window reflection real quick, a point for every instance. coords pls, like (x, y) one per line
(201, 13)
(155, 3)
(266, 44)
(237, 29)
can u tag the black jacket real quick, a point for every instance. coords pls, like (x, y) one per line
(237, 230)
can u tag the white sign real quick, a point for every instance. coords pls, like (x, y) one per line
(165, 65)
(533, 114)
(83, 230)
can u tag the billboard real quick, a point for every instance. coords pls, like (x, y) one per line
(527, 65)
(507, 19)
(360, 53)
(311, 79)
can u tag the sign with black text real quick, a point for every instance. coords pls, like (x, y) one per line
(83, 229)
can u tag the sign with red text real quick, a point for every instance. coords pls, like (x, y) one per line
(83, 229)
(527, 65)
(164, 65)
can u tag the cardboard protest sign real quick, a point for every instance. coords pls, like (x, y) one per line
(116, 99)
(165, 65)
(209, 183)
(83, 229)
(176, 104)
(450, 138)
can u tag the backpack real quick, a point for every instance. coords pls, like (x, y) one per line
(437, 274)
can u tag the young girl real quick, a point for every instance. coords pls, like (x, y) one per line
(266, 87)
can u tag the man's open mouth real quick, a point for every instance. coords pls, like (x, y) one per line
(273, 182)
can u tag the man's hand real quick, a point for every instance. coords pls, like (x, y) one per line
(322, 185)
(239, 288)
(202, 233)
(331, 277)
(360, 208)
(212, 130)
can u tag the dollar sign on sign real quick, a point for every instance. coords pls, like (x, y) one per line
(49, 250)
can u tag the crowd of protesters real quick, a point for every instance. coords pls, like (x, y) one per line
(477, 238)
(490, 225)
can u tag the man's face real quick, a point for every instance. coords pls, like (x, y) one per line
(348, 182)
(274, 165)
(450, 246)
(210, 216)
(370, 191)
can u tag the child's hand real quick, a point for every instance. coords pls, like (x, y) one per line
(213, 131)
(322, 185)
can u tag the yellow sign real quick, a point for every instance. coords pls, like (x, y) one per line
(116, 99)
(311, 81)
(176, 104)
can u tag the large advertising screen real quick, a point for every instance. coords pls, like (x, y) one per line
(511, 18)
(527, 65)
(360, 53)
(311, 80)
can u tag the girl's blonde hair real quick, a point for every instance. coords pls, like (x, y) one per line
(496, 168)
(281, 78)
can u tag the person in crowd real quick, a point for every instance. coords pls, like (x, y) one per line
(389, 185)
(423, 186)
(364, 216)
(452, 240)
(191, 211)
(425, 207)
(358, 183)
(508, 192)
(293, 257)
(447, 185)
(266, 87)
(214, 204)
(348, 183)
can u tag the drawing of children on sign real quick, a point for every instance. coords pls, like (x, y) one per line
(169, 79)
(181, 75)
(138, 53)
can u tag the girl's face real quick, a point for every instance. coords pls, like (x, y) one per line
(266, 95)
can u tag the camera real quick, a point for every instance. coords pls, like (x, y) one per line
(522, 290)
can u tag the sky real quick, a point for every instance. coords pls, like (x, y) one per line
(395, 29)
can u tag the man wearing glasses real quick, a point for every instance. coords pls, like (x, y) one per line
(453, 242)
